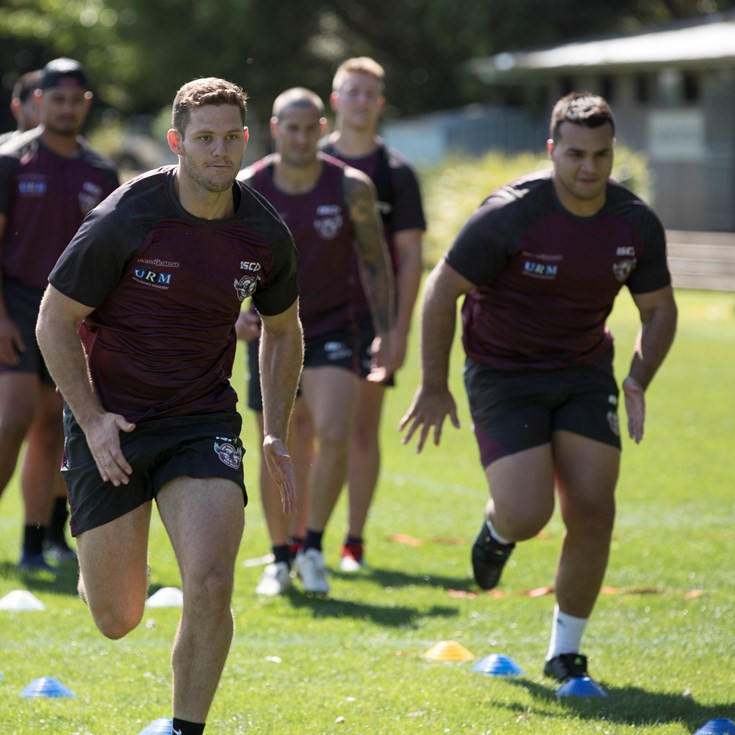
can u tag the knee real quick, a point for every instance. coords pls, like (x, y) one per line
(116, 621)
(522, 522)
(113, 619)
(13, 427)
(334, 440)
(592, 519)
(210, 590)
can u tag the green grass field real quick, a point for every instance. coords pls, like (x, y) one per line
(660, 642)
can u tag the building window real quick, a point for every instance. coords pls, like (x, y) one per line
(642, 89)
(690, 87)
(607, 88)
(567, 85)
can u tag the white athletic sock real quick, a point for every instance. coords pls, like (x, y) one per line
(566, 633)
(495, 534)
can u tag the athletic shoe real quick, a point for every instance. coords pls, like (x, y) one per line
(294, 546)
(34, 563)
(59, 551)
(488, 558)
(276, 579)
(313, 573)
(352, 558)
(566, 666)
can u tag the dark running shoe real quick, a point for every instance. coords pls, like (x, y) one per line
(34, 563)
(488, 558)
(566, 666)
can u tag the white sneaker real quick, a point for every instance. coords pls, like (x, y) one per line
(311, 569)
(276, 579)
(352, 558)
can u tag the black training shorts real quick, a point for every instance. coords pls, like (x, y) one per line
(202, 447)
(332, 350)
(513, 411)
(22, 304)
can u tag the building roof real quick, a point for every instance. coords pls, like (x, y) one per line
(706, 41)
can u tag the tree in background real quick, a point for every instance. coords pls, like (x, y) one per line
(139, 52)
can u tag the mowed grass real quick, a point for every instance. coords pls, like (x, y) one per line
(660, 642)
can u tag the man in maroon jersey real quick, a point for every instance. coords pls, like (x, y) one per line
(540, 264)
(357, 100)
(137, 328)
(24, 104)
(330, 210)
(49, 179)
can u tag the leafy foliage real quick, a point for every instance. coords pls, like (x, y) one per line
(139, 52)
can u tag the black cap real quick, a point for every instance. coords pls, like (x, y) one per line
(63, 73)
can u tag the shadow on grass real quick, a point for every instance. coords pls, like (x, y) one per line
(396, 616)
(64, 582)
(631, 705)
(393, 578)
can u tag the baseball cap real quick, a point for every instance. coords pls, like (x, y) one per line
(63, 72)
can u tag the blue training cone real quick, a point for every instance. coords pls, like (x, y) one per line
(580, 686)
(46, 686)
(161, 726)
(497, 664)
(720, 726)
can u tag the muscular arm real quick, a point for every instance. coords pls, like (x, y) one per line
(372, 252)
(433, 400)
(658, 314)
(281, 359)
(56, 331)
(408, 278)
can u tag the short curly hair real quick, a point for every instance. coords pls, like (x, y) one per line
(580, 108)
(206, 91)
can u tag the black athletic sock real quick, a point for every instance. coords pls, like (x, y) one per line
(313, 539)
(184, 727)
(282, 553)
(33, 539)
(354, 540)
(56, 530)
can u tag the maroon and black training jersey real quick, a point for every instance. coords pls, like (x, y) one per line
(167, 288)
(45, 197)
(320, 223)
(547, 279)
(399, 203)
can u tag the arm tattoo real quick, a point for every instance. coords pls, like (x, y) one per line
(372, 250)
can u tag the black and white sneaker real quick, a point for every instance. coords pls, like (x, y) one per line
(488, 558)
(566, 666)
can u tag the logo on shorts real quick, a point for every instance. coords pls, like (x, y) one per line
(613, 423)
(337, 350)
(229, 452)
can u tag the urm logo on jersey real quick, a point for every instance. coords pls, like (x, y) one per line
(157, 279)
(540, 270)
